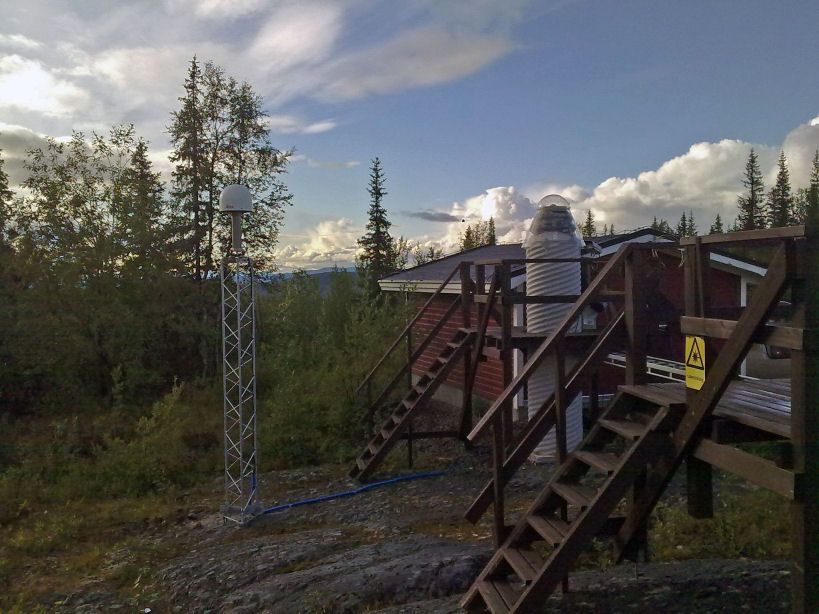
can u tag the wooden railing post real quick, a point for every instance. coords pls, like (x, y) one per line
(560, 427)
(699, 474)
(506, 353)
(409, 387)
(805, 429)
(467, 300)
(635, 317)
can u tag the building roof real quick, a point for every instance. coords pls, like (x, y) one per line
(427, 277)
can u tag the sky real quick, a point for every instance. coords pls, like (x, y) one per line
(476, 108)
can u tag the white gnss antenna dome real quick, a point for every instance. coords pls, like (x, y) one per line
(235, 198)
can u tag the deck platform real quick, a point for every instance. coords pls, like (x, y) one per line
(763, 404)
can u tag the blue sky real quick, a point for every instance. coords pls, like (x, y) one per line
(476, 108)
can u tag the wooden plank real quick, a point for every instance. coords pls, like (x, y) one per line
(748, 466)
(767, 234)
(492, 597)
(770, 334)
(519, 298)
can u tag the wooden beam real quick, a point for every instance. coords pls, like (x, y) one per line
(750, 467)
(635, 319)
(766, 234)
(771, 334)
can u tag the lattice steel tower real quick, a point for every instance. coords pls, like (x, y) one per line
(239, 367)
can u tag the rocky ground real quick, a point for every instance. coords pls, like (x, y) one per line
(401, 548)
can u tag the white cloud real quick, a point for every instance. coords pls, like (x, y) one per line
(15, 141)
(18, 41)
(289, 124)
(418, 58)
(222, 9)
(332, 163)
(329, 242)
(800, 146)
(27, 85)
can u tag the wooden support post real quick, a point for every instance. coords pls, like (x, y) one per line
(507, 353)
(409, 387)
(635, 318)
(636, 368)
(805, 430)
(467, 300)
(699, 474)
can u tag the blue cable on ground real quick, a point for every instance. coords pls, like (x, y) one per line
(356, 491)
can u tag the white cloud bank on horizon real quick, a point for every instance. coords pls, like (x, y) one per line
(706, 180)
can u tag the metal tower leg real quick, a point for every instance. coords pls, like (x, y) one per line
(239, 380)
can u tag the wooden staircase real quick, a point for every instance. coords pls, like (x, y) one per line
(413, 403)
(579, 503)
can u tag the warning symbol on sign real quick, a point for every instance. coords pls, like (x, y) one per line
(694, 362)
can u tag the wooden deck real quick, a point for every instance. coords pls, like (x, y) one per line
(761, 404)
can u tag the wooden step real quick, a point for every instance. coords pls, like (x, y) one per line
(624, 428)
(373, 448)
(550, 528)
(671, 396)
(385, 433)
(574, 494)
(520, 564)
(492, 597)
(360, 462)
(602, 461)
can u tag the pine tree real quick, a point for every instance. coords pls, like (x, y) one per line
(751, 214)
(589, 229)
(376, 245)
(716, 227)
(780, 201)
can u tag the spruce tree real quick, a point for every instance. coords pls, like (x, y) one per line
(589, 229)
(491, 239)
(780, 201)
(682, 226)
(812, 200)
(605, 229)
(611, 229)
(751, 213)
(692, 225)
(716, 227)
(376, 244)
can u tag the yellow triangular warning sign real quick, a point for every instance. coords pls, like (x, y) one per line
(695, 358)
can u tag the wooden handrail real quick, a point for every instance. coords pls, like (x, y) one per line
(543, 419)
(412, 358)
(549, 344)
(397, 341)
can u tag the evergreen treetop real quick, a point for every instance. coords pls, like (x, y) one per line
(589, 229)
(751, 212)
(779, 207)
(376, 257)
